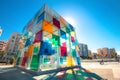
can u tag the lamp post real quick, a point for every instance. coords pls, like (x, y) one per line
(0, 31)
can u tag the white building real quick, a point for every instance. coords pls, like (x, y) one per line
(13, 44)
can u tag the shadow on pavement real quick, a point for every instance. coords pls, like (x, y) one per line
(65, 74)
(15, 74)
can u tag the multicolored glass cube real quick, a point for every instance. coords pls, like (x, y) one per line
(49, 41)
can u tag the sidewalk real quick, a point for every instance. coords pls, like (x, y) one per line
(5, 66)
(110, 70)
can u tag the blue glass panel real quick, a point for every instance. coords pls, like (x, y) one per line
(63, 34)
(46, 49)
(41, 17)
(28, 42)
(78, 60)
(18, 60)
(61, 60)
(71, 27)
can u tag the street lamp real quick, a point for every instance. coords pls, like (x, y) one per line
(0, 31)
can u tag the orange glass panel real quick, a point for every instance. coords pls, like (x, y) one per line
(47, 26)
(62, 20)
(77, 48)
(21, 46)
(30, 50)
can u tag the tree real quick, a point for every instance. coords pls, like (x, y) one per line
(3, 53)
(113, 54)
(12, 60)
(90, 56)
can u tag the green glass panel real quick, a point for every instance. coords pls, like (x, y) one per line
(18, 53)
(80, 77)
(67, 30)
(55, 40)
(69, 77)
(45, 60)
(64, 57)
(36, 49)
(73, 52)
(34, 63)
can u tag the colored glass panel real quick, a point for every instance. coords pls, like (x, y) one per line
(78, 60)
(56, 22)
(30, 50)
(72, 33)
(47, 26)
(62, 20)
(61, 60)
(36, 48)
(28, 42)
(77, 48)
(70, 61)
(67, 30)
(18, 60)
(38, 37)
(55, 40)
(63, 28)
(72, 39)
(46, 49)
(55, 30)
(22, 52)
(46, 35)
(41, 17)
(48, 17)
(24, 60)
(45, 60)
(64, 44)
(25, 54)
(73, 52)
(18, 54)
(35, 62)
(71, 27)
(63, 34)
(63, 51)
(21, 46)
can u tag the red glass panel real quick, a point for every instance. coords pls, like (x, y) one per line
(64, 44)
(63, 51)
(24, 60)
(72, 39)
(56, 22)
(38, 37)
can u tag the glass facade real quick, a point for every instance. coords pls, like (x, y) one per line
(48, 41)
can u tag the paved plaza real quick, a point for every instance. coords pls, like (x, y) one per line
(108, 71)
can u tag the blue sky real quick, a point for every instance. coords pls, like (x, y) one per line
(97, 22)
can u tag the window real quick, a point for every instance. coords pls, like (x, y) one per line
(13, 37)
(12, 40)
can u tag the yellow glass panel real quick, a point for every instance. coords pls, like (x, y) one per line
(72, 33)
(69, 71)
(70, 61)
